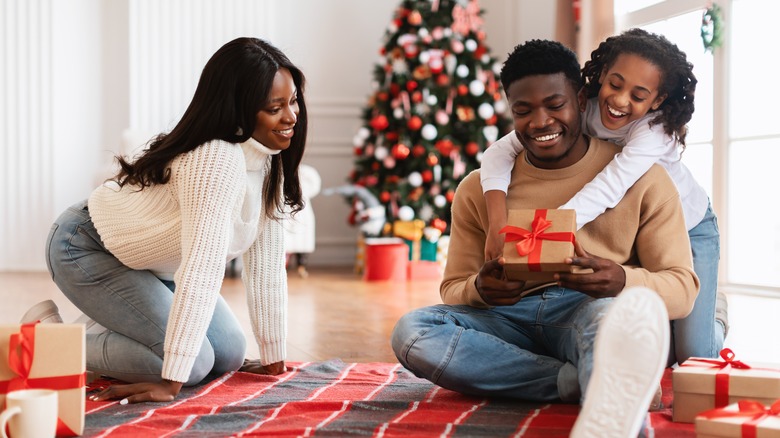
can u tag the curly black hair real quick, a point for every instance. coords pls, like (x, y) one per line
(677, 80)
(541, 57)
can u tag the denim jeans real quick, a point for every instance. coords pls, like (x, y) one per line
(539, 349)
(132, 304)
(699, 334)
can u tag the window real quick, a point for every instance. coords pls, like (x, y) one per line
(743, 195)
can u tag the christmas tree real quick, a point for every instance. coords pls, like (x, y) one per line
(436, 105)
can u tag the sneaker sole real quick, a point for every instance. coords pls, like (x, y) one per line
(629, 358)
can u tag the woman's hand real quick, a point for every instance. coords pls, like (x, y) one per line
(255, 367)
(163, 391)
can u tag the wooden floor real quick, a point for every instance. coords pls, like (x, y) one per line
(334, 314)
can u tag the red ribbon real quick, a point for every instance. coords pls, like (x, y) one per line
(528, 242)
(722, 375)
(21, 351)
(753, 411)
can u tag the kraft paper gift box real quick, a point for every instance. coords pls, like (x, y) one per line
(703, 384)
(47, 356)
(537, 242)
(746, 419)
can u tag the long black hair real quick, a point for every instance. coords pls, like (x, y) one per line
(234, 86)
(678, 82)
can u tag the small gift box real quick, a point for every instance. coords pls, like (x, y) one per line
(746, 419)
(412, 233)
(386, 259)
(702, 384)
(424, 270)
(537, 242)
(46, 356)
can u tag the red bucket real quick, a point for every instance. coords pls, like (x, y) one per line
(386, 259)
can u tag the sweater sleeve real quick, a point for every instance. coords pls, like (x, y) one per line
(663, 249)
(645, 146)
(498, 161)
(265, 280)
(206, 182)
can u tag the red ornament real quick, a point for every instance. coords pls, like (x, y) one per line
(432, 159)
(384, 197)
(379, 123)
(418, 150)
(358, 151)
(400, 151)
(391, 135)
(391, 179)
(463, 89)
(492, 120)
(450, 195)
(382, 95)
(411, 85)
(442, 80)
(427, 176)
(415, 18)
(439, 224)
(395, 89)
(445, 147)
(472, 148)
(417, 97)
(414, 123)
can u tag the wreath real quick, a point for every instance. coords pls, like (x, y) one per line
(712, 28)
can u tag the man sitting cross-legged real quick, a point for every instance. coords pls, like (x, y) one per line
(599, 338)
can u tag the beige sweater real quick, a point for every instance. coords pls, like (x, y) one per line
(647, 225)
(209, 212)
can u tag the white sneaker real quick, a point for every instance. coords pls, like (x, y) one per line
(45, 312)
(629, 358)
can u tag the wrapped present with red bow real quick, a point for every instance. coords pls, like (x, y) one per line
(701, 384)
(537, 242)
(745, 419)
(47, 356)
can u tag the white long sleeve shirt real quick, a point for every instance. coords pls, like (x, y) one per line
(210, 212)
(643, 146)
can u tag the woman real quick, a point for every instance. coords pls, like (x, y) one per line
(145, 256)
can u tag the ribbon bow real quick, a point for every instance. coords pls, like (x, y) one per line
(722, 376)
(753, 411)
(21, 349)
(528, 242)
(728, 361)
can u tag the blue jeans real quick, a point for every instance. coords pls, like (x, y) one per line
(540, 349)
(699, 334)
(133, 305)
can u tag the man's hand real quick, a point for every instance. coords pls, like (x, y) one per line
(163, 391)
(607, 280)
(255, 367)
(493, 286)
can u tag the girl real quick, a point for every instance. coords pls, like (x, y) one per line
(145, 256)
(640, 90)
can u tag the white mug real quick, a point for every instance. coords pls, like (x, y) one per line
(30, 413)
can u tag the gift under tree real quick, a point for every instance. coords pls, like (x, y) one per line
(436, 105)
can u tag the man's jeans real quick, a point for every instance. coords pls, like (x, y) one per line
(133, 305)
(698, 334)
(539, 349)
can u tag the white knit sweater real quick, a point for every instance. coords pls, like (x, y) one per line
(209, 212)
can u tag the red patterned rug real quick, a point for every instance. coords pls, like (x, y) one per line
(341, 399)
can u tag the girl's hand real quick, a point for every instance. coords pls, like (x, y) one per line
(163, 391)
(255, 367)
(494, 246)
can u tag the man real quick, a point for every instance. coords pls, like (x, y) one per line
(495, 337)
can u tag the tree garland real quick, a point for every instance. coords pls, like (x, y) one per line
(712, 28)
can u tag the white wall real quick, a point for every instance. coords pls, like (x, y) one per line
(75, 73)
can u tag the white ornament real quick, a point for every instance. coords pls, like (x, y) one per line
(357, 141)
(432, 100)
(471, 45)
(426, 213)
(380, 153)
(490, 133)
(415, 179)
(479, 157)
(440, 201)
(424, 57)
(364, 132)
(476, 88)
(389, 162)
(423, 32)
(429, 132)
(500, 106)
(406, 213)
(462, 71)
(398, 113)
(485, 58)
(486, 111)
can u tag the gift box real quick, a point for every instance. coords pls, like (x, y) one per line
(47, 356)
(745, 419)
(386, 258)
(537, 242)
(412, 233)
(424, 270)
(701, 384)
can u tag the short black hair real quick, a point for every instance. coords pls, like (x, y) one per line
(541, 57)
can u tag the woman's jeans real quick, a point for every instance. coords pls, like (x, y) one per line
(540, 349)
(133, 305)
(699, 334)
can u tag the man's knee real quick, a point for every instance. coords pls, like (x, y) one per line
(410, 328)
